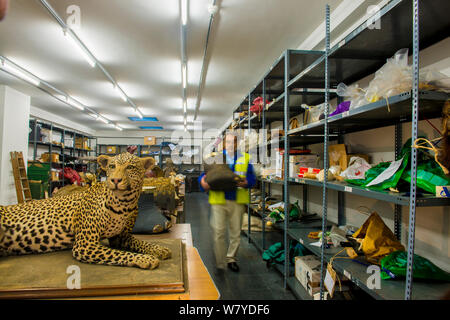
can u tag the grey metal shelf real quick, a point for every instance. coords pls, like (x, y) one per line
(394, 110)
(389, 290)
(399, 198)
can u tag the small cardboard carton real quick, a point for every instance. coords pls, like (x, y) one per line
(307, 271)
(149, 141)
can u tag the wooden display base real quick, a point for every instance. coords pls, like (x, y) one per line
(47, 276)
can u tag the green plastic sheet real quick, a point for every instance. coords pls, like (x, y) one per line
(429, 173)
(396, 262)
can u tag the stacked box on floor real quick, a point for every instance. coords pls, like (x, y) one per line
(307, 272)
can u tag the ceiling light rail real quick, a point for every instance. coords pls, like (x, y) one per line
(17, 71)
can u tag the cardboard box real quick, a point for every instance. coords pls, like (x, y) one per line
(149, 141)
(111, 149)
(81, 143)
(338, 156)
(304, 158)
(46, 157)
(307, 272)
(443, 191)
(316, 296)
(301, 161)
(68, 142)
(54, 175)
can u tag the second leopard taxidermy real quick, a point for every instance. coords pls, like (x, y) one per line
(107, 210)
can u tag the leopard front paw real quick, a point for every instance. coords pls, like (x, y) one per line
(146, 261)
(161, 252)
(165, 253)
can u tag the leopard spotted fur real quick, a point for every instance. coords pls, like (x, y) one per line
(107, 210)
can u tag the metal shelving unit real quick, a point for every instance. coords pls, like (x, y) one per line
(311, 77)
(62, 148)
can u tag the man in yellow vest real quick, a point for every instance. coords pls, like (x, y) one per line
(227, 208)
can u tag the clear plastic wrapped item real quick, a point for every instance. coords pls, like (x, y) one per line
(393, 78)
(352, 93)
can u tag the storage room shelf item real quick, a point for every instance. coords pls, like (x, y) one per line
(365, 49)
(357, 273)
(379, 114)
(400, 198)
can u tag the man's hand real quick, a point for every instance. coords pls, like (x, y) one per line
(243, 183)
(204, 184)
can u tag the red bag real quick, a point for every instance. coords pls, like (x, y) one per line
(72, 175)
(258, 105)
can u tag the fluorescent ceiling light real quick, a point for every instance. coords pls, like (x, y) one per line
(19, 73)
(102, 119)
(184, 106)
(93, 115)
(184, 12)
(118, 128)
(185, 122)
(83, 51)
(151, 128)
(184, 75)
(74, 103)
(146, 119)
(120, 93)
(139, 113)
(185, 129)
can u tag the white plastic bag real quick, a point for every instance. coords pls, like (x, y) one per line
(357, 169)
(352, 93)
(393, 78)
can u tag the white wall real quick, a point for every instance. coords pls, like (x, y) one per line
(14, 118)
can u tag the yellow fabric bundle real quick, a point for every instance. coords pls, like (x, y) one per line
(377, 240)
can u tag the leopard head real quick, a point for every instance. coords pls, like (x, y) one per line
(125, 172)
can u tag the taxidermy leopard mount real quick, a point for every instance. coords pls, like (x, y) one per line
(79, 221)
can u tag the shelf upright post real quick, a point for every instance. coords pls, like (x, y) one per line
(74, 144)
(286, 164)
(160, 153)
(263, 159)
(398, 208)
(50, 147)
(249, 193)
(35, 140)
(414, 125)
(341, 196)
(325, 150)
(63, 154)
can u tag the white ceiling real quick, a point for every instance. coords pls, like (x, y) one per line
(138, 43)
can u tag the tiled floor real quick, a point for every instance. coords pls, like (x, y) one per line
(254, 280)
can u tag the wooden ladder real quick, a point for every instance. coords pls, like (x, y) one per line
(20, 177)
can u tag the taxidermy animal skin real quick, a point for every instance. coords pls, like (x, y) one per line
(107, 210)
(164, 192)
